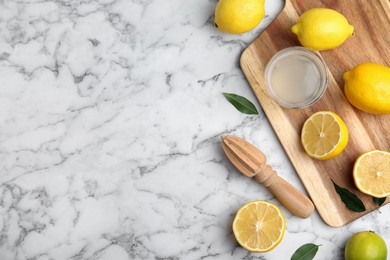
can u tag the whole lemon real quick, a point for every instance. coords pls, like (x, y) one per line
(365, 245)
(367, 87)
(322, 29)
(238, 16)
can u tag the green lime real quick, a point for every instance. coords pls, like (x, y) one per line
(366, 245)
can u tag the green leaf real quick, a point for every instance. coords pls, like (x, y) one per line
(305, 252)
(350, 199)
(241, 104)
(379, 201)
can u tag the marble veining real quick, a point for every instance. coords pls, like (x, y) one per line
(111, 114)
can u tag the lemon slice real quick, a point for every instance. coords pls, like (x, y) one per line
(324, 135)
(371, 173)
(259, 226)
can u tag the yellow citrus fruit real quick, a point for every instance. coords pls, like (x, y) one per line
(259, 226)
(322, 29)
(324, 135)
(365, 245)
(371, 173)
(238, 16)
(367, 87)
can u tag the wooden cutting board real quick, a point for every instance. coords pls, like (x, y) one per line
(370, 43)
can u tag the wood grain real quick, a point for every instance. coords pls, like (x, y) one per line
(370, 42)
(251, 162)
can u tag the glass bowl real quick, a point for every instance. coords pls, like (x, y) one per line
(296, 77)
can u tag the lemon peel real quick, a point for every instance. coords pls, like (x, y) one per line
(367, 87)
(237, 16)
(322, 29)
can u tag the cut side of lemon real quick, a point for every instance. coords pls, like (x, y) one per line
(371, 173)
(259, 226)
(324, 135)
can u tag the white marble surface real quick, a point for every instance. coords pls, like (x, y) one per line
(111, 113)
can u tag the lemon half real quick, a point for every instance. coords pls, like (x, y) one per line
(259, 226)
(324, 135)
(371, 173)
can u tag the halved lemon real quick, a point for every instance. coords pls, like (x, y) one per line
(371, 173)
(259, 226)
(324, 135)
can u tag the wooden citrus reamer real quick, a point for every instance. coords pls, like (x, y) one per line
(250, 161)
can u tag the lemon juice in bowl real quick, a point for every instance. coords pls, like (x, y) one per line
(296, 77)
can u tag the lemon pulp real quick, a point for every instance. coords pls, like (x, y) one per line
(259, 226)
(371, 173)
(324, 135)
